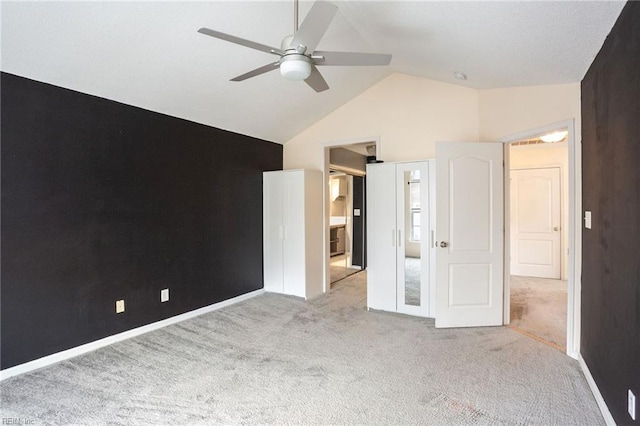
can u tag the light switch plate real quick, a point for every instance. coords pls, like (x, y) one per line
(119, 306)
(587, 219)
(631, 404)
(356, 212)
(164, 295)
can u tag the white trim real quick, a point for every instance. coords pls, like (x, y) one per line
(608, 418)
(92, 346)
(574, 243)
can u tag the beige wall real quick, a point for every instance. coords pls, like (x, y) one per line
(512, 110)
(541, 156)
(406, 114)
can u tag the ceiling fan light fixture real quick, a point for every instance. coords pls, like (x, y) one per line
(295, 67)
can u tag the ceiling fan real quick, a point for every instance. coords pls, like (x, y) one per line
(298, 57)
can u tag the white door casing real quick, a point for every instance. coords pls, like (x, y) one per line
(470, 234)
(535, 222)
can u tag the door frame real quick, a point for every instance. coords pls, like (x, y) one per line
(574, 243)
(326, 147)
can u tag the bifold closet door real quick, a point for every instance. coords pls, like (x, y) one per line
(381, 237)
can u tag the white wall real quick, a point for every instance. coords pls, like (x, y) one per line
(542, 156)
(406, 114)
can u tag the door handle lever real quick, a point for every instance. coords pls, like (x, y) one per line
(443, 244)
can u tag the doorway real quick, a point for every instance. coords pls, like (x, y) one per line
(346, 248)
(538, 257)
(345, 209)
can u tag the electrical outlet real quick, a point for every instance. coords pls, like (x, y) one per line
(119, 306)
(164, 295)
(631, 404)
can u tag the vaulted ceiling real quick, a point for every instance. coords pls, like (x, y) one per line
(149, 54)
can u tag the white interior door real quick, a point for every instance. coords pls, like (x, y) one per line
(535, 222)
(470, 218)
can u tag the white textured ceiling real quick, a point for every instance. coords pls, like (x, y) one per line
(148, 54)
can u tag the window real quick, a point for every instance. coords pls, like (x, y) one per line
(414, 205)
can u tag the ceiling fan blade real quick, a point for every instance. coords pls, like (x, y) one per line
(314, 25)
(351, 58)
(316, 81)
(257, 71)
(240, 41)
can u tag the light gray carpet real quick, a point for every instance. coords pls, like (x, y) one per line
(539, 307)
(278, 359)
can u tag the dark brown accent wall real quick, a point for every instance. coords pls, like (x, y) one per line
(610, 337)
(103, 201)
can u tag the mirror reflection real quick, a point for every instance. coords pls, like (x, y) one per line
(412, 238)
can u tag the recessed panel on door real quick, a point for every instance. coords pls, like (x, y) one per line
(470, 192)
(470, 285)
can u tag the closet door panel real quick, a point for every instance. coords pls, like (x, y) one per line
(382, 237)
(273, 231)
(412, 217)
(294, 233)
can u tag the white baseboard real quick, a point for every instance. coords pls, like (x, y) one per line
(608, 418)
(92, 346)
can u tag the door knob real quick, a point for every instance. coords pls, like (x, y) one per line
(443, 244)
(555, 228)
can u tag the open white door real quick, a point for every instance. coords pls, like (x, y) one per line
(469, 235)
